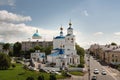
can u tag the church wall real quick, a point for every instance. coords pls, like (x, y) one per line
(58, 42)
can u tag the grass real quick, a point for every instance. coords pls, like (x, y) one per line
(18, 73)
(77, 73)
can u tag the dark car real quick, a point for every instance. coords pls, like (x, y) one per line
(94, 77)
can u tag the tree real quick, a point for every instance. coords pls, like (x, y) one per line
(37, 47)
(80, 50)
(52, 77)
(48, 50)
(5, 61)
(41, 77)
(6, 47)
(13, 65)
(30, 78)
(17, 49)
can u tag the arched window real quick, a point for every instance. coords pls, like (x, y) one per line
(70, 60)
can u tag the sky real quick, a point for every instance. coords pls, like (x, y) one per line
(93, 21)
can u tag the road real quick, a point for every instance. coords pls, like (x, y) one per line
(111, 75)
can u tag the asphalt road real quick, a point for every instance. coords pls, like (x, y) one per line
(95, 64)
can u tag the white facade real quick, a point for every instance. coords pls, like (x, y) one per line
(38, 56)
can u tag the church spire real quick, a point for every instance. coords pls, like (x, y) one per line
(61, 31)
(70, 24)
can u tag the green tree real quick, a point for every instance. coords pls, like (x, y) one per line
(17, 49)
(5, 61)
(13, 65)
(30, 78)
(39, 48)
(32, 50)
(48, 50)
(80, 50)
(52, 77)
(6, 47)
(41, 77)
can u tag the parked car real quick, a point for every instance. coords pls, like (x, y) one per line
(94, 77)
(103, 72)
(96, 71)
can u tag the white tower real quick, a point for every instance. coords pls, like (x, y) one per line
(70, 41)
(59, 41)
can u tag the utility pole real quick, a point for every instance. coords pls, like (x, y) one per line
(88, 64)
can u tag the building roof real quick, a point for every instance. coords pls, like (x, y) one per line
(59, 37)
(58, 52)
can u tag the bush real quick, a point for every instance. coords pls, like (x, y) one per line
(30, 78)
(5, 61)
(64, 73)
(81, 65)
(13, 65)
(41, 77)
(53, 77)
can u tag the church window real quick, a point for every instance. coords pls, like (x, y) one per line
(68, 49)
(71, 41)
(68, 38)
(70, 60)
(63, 46)
(112, 60)
(112, 55)
(116, 60)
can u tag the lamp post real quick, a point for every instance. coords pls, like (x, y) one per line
(88, 64)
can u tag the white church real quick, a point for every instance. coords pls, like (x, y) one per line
(64, 52)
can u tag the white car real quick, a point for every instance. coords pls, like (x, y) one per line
(96, 71)
(103, 72)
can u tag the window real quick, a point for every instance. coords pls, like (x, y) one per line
(63, 46)
(112, 60)
(70, 60)
(68, 38)
(116, 60)
(112, 55)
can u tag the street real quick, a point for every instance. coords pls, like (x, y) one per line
(94, 64)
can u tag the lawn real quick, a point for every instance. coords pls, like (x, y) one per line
(18, 73)
(77, 73)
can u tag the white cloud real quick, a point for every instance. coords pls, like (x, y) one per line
(6, 16)
(117, 33)
(7, 2)
(10, 32)
(86, 13)
(98, 33)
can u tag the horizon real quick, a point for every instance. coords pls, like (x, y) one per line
(93, 21)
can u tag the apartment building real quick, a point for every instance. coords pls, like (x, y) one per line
(107, 53)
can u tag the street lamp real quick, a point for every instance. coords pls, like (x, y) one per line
(88, 64)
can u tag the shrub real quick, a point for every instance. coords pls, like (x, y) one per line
(30, 78)
(5, 61)
(53, 77)
(81, 65)
(41, 77)
(13, 65)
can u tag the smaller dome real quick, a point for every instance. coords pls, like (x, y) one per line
(36, 35)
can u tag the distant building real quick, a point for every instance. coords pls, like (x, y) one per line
(27, 45)
(107, 53)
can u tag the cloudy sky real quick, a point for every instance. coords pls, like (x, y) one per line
(94, 21)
